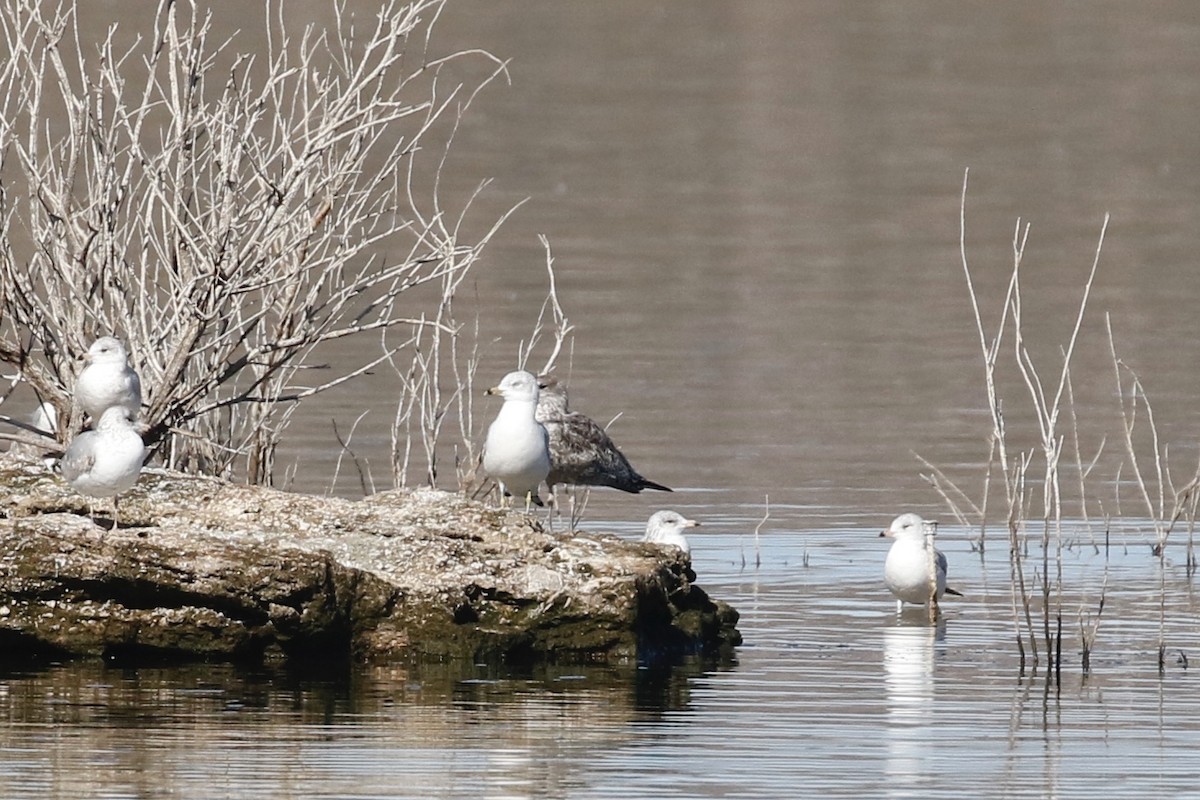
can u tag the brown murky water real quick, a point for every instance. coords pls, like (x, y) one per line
(754, 211)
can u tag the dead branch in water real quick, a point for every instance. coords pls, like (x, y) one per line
(1153, 492)
(1047, 404)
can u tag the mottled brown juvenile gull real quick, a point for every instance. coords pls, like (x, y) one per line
(108, 380)
(906, 570)
(581, 452)
(105, 461)
(516, 452)
(666, 527)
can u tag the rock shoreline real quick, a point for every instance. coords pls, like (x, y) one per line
(205, 569)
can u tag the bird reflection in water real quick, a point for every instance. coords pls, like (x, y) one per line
(909, 654)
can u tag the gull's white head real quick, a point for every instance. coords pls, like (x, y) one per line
(907, 527)
(519, 385)
(666, 527)
(106, 350)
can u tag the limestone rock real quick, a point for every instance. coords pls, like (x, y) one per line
(202, 568)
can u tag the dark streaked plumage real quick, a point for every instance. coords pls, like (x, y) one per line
(581, 453)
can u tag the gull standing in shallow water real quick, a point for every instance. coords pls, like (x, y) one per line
(581, 452)
(108, 380)
(666, 527)
(517, 450)
(106, 461)
(907, 570)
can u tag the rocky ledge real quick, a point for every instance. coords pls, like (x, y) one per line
(202, 568)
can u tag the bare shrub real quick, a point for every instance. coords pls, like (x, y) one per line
(1153, 491)
(1144, 463)
(1031, 472)
(229, 214)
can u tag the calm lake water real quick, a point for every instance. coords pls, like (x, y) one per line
(754, 213)
(832, 694)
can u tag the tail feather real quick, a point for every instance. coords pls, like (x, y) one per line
(954, 592)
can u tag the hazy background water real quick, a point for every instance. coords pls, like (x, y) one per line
(754, 211)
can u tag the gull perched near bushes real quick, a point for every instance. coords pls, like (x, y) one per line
(106, 461)
(107, 380)
(516, 452)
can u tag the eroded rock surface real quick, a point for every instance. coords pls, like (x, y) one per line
(204, 568)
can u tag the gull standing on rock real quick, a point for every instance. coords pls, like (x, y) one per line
(106, 461)
(581, 452)
(907, 569)
(666, 527)
(517, 450)
(107, 380)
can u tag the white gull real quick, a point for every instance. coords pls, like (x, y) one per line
(108, 380)
(666, 527)
(105, 461)
(907, 568)
(517, 450)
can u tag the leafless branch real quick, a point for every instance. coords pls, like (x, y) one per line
(230, 215)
